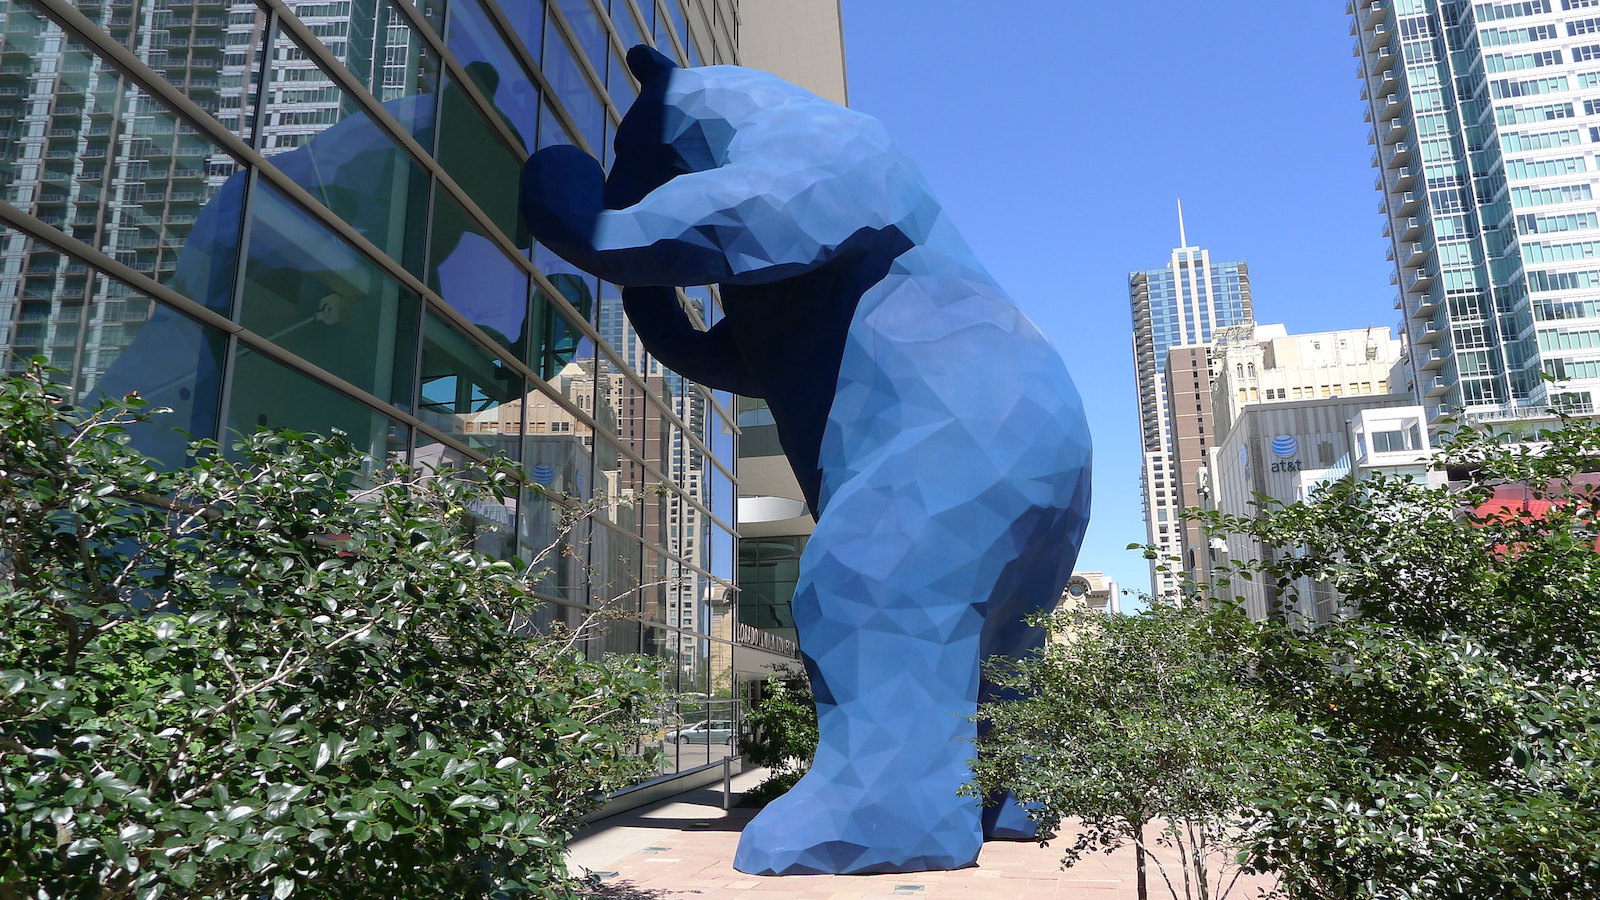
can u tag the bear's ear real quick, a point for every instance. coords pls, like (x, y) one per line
(646, 64)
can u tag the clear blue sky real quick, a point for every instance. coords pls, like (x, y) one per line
(1060, 134)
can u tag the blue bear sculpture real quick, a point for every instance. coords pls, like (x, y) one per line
(934, 430)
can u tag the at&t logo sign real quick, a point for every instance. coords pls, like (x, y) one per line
(1284, 446)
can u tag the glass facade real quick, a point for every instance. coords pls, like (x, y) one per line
(1486, 119)
(302, 214)
(1180, 304)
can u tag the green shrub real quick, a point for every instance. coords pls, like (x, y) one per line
(780, 734)
(1449, 721)
(279, 673)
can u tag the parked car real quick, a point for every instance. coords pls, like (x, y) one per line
(715, 731)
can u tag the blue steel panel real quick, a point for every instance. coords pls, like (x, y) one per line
(934, 430)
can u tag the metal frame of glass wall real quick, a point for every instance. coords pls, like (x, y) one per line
(302, 213)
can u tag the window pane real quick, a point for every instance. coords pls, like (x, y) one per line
(109, 340)
(563, 341)
(467, 393)
(268, 395)
(572, 86)
(527, 22)
(472, 274)
(479, 161)
(214, 59)
(616, 559)
(680, 27)
(388, 57)
(626, 25)
(315, 295)
(328, 144)
(481, 49)
(93, 155)
(585, 25)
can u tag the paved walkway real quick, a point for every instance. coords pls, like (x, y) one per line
(682, 848)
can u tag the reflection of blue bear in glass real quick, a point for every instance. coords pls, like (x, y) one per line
(934, 431)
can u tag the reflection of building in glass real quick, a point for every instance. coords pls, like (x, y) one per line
(1484, 119)
(302, 214)
(1181, 303)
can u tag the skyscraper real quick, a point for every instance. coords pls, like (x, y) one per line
(1181, 303)
(1486, 118)
(302, 214)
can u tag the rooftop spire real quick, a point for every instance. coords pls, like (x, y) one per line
(1183, 235)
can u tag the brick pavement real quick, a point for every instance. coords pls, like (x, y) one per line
(682, 849)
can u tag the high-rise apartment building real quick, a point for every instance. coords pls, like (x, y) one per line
(302, 213)
(1181, 303)
(1486, 123)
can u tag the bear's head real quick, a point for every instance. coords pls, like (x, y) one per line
(684, 121)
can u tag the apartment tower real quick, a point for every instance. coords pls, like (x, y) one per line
(1485, 125)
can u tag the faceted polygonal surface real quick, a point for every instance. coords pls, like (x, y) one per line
(933, 429)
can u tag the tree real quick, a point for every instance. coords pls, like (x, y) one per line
(781, 734)
(280, 671)
(1125, 721)
(1449, 723)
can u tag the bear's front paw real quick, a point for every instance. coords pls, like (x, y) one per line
(562, 196)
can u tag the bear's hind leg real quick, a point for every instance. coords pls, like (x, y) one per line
(890, 613)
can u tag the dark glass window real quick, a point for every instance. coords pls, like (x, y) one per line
(467, 393)
(478, 160)
(481, 48)
(314, 294)
(471, 272)
(268, 395)
(572, 86)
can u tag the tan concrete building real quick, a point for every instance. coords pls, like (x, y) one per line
(1093, 590)
(1266, 364)
(801, 41)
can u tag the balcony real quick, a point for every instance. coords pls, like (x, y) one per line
(1430, 333)
(1404, 178)
(1398, 128)
(1385, 58)
(1426, 307)
(1377, 12)
(1436, 387)
(1433, 359)
(1412, 228)
(1441, 414)
(1388, 82)
(1410, 202)
(1420, 282)
(1401, 154)
(1394, 105)
(1415, 254)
